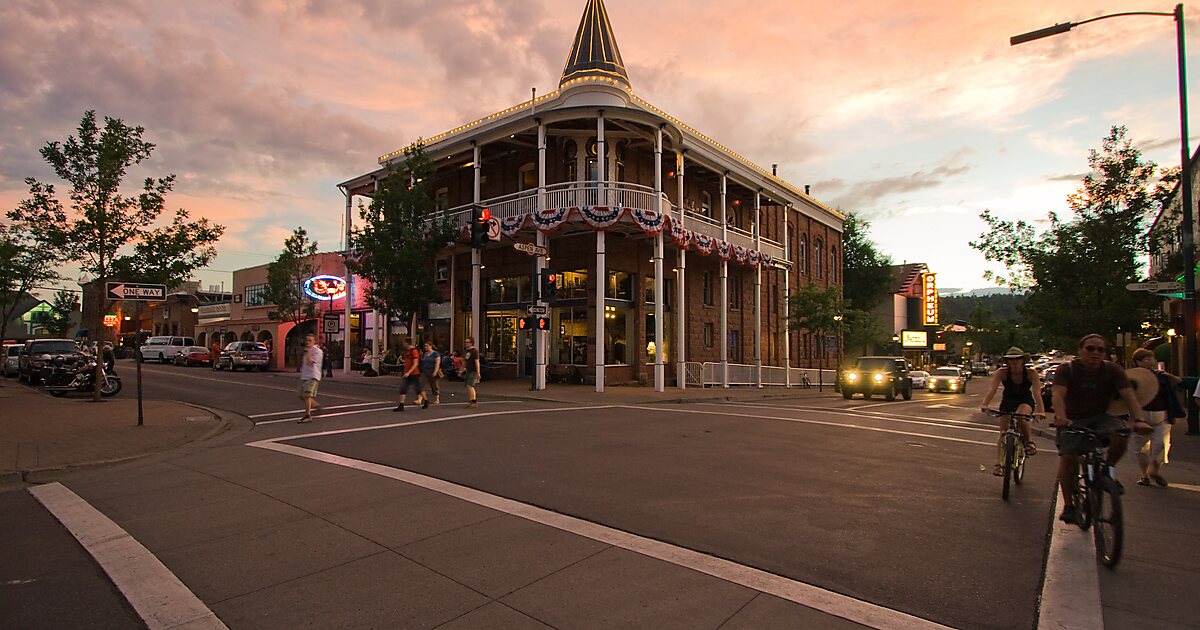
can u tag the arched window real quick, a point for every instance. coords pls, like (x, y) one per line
(833, 264)
(570, 167)
(803, 257)
(818, 250)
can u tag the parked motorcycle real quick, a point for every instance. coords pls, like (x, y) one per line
(79, 376)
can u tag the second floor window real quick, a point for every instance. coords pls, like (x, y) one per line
(818, 246)
(256, 295)
(735, 291)
(708, 288)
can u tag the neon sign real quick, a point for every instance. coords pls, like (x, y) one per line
(112, 321)
(325, 287)
(929, 299)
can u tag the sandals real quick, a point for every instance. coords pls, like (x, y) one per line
(998, 470)
(1030, 448)
(1144, 481)
(1158, 479)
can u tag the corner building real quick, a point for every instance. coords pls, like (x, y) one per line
(674, 255)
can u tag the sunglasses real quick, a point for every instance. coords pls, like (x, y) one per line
(1095, 348)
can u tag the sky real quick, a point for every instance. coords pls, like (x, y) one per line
(916, 116)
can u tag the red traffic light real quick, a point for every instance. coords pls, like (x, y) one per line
(543, 323)
(552, 278)
(485, 215)
(524, 323)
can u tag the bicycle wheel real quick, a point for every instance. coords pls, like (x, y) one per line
(1082, 502)
(1019, 463)
(1108, 527)
(1010, 456)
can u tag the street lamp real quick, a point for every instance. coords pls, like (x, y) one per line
(1185, 185)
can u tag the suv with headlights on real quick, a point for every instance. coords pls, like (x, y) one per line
(888, 376)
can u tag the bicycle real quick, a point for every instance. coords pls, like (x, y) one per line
(1014, 449)
(1096, 497)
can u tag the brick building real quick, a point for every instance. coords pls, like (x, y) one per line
(674, 255)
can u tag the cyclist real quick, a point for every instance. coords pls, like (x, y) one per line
(1082, 391)
(1020, 382)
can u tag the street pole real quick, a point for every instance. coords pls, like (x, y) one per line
(137, 357)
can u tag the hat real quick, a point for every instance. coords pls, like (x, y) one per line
(1145, 388)
(1016, 353)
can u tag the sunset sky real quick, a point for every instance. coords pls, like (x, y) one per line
(915, 115)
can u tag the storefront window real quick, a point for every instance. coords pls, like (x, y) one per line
(572, 285)
(572, 336)
(619, 286)
(501, 329)
(616, 335)
(652, 345)
(510, 290)
(648, 291)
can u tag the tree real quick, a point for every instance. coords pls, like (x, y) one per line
(403, 232)
(863, 331)
(286, 277)
(64, 305)
(1076, 271)
(27, 260)
(867, 273)
(815, 309)
(112, 233)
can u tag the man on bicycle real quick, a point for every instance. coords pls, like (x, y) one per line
(1021, 395)
(1082, 391)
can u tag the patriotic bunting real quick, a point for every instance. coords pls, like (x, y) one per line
(649, 221)
(550, 220)
(511, 225)
(601, 217)
(704, 244)
(724, 250)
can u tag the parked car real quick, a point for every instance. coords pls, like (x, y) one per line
(919, 378)
(37, 352)
(1048, 388)
(979, 368)
(10, 354)
(193, 355)
(878, 375)
(246, 355)
(164, 348)
(948, 379)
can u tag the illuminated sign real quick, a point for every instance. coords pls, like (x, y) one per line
(112, 320)
(325, 287)
(929, 299)
(914, 339)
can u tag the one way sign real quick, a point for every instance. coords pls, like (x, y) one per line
(132, 291)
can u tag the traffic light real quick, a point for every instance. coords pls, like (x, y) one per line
(549, 286)
(543, 323)
(480, 218)
(525, 323)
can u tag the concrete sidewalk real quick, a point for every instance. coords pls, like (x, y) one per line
(40, 433)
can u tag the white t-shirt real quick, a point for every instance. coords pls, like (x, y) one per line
(310, 366)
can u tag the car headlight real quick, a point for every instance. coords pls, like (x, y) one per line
(878, 378)
(852, 376)
(953, 385)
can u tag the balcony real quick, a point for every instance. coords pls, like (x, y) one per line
(609, 194)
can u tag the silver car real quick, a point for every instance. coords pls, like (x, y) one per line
(919, 378)
(9, 359)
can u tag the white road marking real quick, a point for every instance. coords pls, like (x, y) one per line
(227, 382)
(1184, 486)
(895, 402)
(947, 424)
(835, 604)
(358, 411)
(295, 411)
(159, 598)
(1071, 591)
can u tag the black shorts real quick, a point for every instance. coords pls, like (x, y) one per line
(1010, 406)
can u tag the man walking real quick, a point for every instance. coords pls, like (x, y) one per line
(471, 370)
(310, 375)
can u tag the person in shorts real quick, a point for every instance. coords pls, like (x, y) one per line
(1153, 451)
(411, 377)
(1020, 382)
(470, 362)
(310, 376)
(1082, 392)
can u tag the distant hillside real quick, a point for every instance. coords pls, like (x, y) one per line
(1002, 305)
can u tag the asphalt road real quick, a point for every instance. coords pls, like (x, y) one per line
(890, 503)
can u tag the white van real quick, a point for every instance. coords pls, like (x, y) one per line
(164, 349)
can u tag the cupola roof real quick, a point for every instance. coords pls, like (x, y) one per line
(594, 54)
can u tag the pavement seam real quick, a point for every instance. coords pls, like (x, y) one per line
(756, 595)
(158, 596)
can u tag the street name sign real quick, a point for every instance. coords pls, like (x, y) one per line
(134, 291)
(539, 310)
(531, 249)
(1155, 287)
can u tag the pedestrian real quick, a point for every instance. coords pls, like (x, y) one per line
(410, 379)
(327, 360)
(214, 353)
(310, 375)
(471, 370)
(431, 376)
(108, 358)
(1153, 450)
(1082, 391)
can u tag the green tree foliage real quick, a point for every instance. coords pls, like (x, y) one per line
(111, 235)
(27, 260)
(64, 305)
(866, 273)
(815, 309)
(1076, 271)
(863, 331)
(286, 277)
(401, 236)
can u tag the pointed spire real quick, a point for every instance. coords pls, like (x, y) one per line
(595, 52)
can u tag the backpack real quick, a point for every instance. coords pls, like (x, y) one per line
(448, 364)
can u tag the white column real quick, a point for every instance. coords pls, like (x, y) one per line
(724, 287)
(758, 290)
(541, 340)
(680, 307)
(349, 287)
(374, 339)
(601, 275)
(660, 369)
(783, 321)
(476, 263)
(453, 297)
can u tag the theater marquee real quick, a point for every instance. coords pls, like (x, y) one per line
(929, 298)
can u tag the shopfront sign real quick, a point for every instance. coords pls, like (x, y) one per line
(914, 339)
(325, 287)
(929, 299)
(112, 320)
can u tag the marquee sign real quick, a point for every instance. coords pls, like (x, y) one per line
(929, 299)
(914, 339)
(325, 287)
